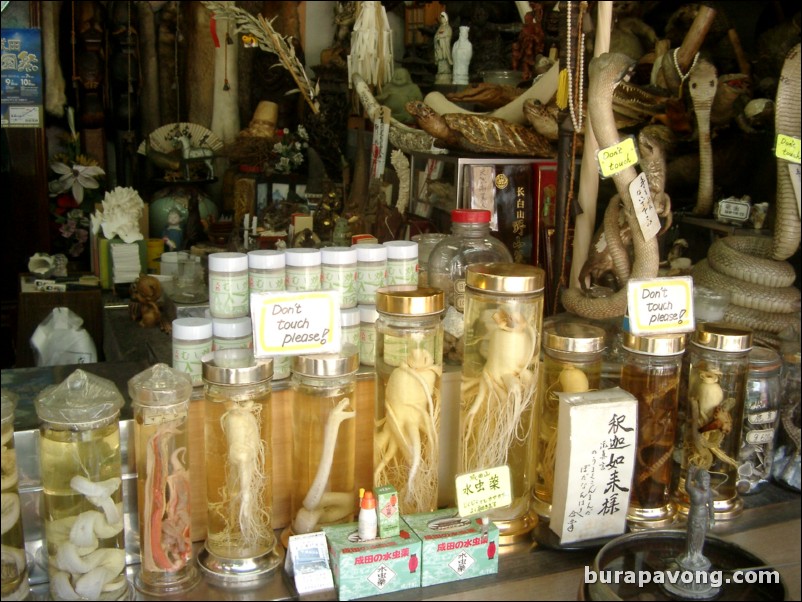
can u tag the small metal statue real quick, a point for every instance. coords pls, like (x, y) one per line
(700, 517)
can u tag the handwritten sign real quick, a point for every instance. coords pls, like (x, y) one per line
(660, 305)
(788, 148)
(617, 157)
(644, 207)
(794, 171)
(484, 490)
(378, 149)
(595, 459)
(295, 323)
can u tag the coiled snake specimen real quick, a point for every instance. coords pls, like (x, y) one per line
(606, 72)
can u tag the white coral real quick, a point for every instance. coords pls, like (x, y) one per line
(122, 209)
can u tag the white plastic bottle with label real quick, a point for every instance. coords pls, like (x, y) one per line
(368, 519)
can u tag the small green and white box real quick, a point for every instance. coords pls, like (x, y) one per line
(454, 548)
(377, 566)
(387, 507)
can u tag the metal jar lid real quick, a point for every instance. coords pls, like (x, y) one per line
(655, 344)
(721, 336)
(408, 300)
(505, 278)
(328, 364)
(573, 337)
(764, 360)
(235, 367)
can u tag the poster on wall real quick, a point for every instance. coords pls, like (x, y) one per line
(21, 78)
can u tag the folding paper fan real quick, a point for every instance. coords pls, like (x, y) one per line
(165, 138)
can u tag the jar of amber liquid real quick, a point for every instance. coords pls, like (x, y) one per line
(500, 380)
(240, 543)
(651, 371)
(81, 472)
(409, 364)
(716, 371)
(323, 440)
(160, 400)
(572, 363)
(15, 566)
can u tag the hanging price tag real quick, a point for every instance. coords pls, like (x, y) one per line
(644, 207)
(617, 157)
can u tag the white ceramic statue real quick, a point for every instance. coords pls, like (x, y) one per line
(442, 51)
(461, 54)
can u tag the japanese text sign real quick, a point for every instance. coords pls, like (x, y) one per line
(484, 490)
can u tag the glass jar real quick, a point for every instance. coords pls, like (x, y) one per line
(302, 269)
(232, 333)
(160, 402)
(409, 364)
(500, 380)
(426, 242)
(192, 339)
(709, 305)
(470, 242)
(324, 440)
(240, 541)
(81, 471)
(651, 371)
(402, 262)
(339, 273)
(786, 469)
(717, 365)
(349, 323)
(367, 334)
(15, 565)
(572, 363)
(265, 271)
(761, 419)
(371, 268)
(229, 296)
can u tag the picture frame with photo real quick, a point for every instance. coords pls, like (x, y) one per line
(482, 190)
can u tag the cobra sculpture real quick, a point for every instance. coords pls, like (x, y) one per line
(703, 83)
(606, 72)
(752, 268)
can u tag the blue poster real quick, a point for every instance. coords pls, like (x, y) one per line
(21, 78)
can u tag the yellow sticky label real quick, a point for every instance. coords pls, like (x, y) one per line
(788, 148)
(660, 305)
(617, 157)
(484, 490)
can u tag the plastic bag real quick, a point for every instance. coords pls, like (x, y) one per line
(60, 339)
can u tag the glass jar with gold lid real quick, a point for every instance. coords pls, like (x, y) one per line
(240, 544)
(651, 371)
(500, 379)
(323, 440)
(409, 364)
(715, 375)
(572, 363)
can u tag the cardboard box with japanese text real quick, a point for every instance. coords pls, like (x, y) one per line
(377, 566)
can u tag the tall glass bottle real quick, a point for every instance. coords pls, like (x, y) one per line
(81, 472)
(324, 439)
(15, 566)
(470, 242)
(651, 371)
(572, 363)
(761, 419)
(240, 541)
(409, 364)
(717, 364)
(500, 380)
(160, 400)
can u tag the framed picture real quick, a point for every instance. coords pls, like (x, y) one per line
(279, 192)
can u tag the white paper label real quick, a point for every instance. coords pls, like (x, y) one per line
(308, 562)
(644, 207)
(733, 210)
(794, 170)
(287, 323)
(660, 305)
(381, 132)
(484, 490)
